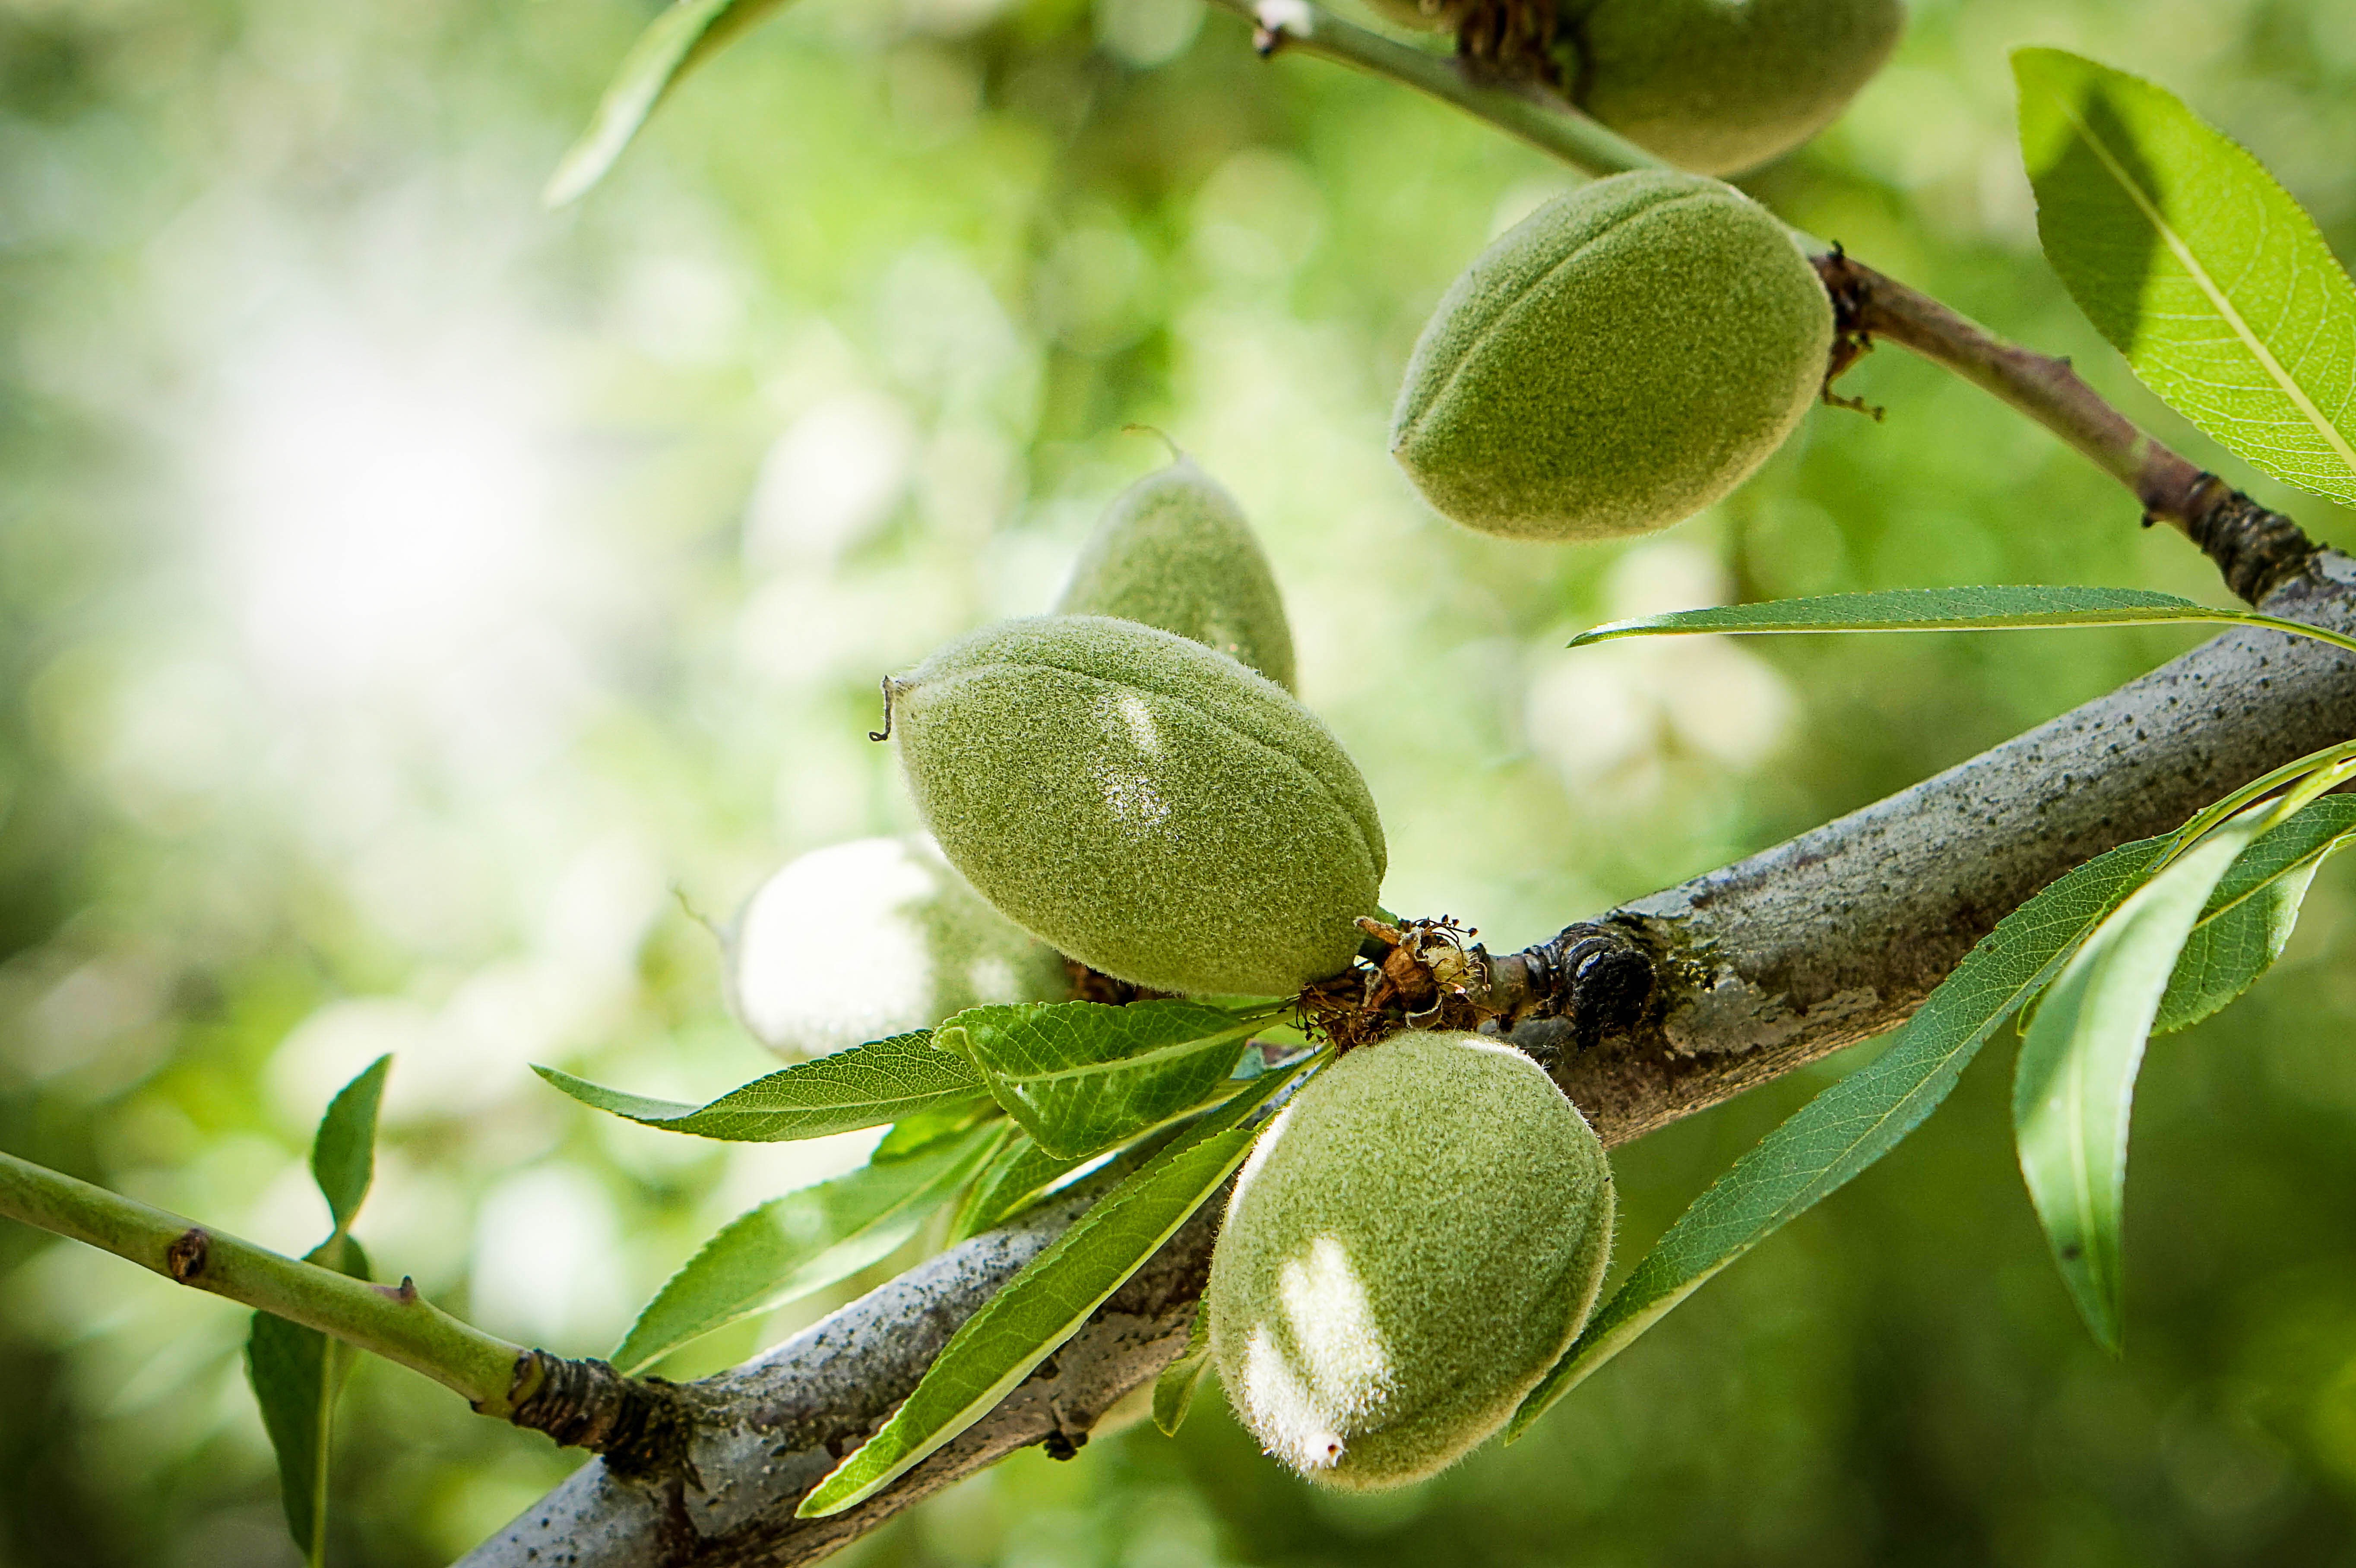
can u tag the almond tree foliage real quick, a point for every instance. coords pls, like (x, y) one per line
(170, 1019)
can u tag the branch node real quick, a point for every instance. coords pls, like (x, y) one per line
(1586, 982)
(642, 1425)
(2255, 550)
(185, 1259)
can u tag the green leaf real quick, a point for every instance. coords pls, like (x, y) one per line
(1174, 1391)
(674, 43)
(297, 1372)
(914, 1134)
(1993, 608)
(2251, 915)
(805, 1241)
(2185, 253)
(1845, 1129)
(2075, 1083)
(343, 1155)
(1082, 1077)
(1047, 1303)
(866, 1086)
(1014, 1180)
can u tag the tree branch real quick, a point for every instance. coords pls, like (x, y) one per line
(1761, 968)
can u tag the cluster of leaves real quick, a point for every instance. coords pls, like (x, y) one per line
(1143, 1110)
(2220, 292)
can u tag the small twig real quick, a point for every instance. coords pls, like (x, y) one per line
(1587, 981)
(2255, 549)
(579, 1403)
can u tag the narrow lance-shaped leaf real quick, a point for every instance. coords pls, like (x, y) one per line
(2250, 916)
(682, 37)
(2075, 1087)
(297, 1372)
(1846, 1128)
(866, 1086)
(805, 1241)
(1995, 608)
(1082, 1077)
(1174, 1391)
(1048, 1301)
(2185, 254)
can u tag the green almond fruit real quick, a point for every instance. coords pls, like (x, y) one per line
(1622, 357)
(871, 938)
(1415, 1240)
(1174, 552)
(1719, 88)
(1151, 807)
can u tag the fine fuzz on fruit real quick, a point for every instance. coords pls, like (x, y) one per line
(1151, 807)
(1719, 88)
(1174, 552)
(1413, 1244)
(1618, 360)
(872, 938)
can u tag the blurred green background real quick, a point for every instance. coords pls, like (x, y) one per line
(414, 605)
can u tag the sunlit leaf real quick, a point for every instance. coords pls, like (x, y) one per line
(802, 1242)
(1082, 1077)
(1846, 1128)
(297, 1372)
(2250, 916)
(1174, 1391)
(1993, 608)
(2075, 1084)
(866, 1086)
(2200, 268)
(1047, 1302)
(674, 43)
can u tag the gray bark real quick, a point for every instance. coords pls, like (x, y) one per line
(1764, 966)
